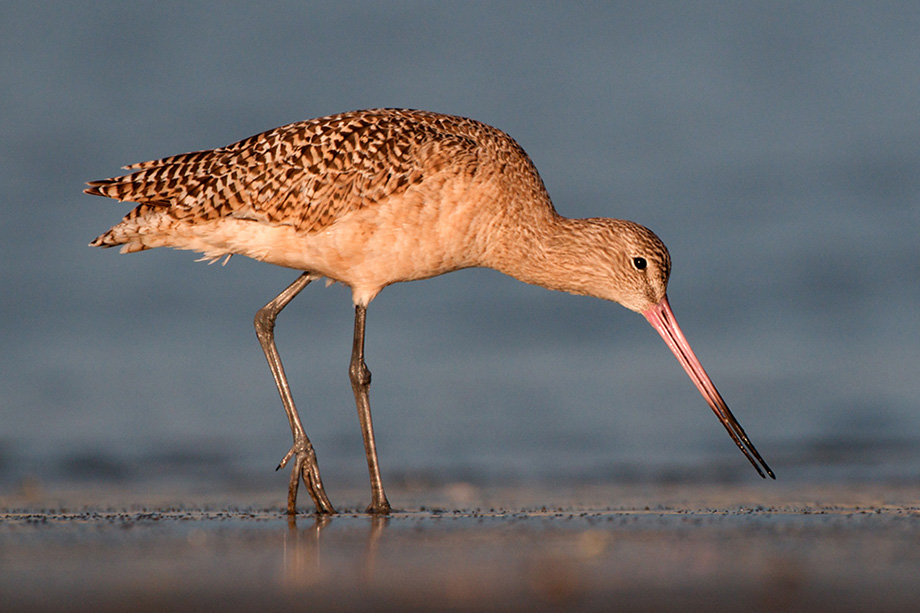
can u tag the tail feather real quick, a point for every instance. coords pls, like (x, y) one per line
(183, 158)
(145, 186)
(144, 219)
(119, 188)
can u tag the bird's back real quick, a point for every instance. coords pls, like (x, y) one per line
(305, 175)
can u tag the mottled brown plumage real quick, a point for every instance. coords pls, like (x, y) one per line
(371, 198)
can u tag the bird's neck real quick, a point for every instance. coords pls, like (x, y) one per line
(551, 251)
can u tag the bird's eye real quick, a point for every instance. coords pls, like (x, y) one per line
(640, 263)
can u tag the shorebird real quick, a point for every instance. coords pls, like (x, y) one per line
(375, 197)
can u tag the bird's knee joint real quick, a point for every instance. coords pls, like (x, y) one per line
(359, 373)
(264, 322)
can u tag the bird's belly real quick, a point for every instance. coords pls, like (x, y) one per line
(365, 254)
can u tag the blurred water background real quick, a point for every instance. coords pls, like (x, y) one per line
(774, 147)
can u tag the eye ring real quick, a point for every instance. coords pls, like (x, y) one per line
(640, 263)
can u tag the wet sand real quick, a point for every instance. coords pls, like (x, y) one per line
(460, 547)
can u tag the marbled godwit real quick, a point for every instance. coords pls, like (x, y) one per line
(375, 197)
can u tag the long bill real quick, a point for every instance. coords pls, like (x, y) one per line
(662, 319)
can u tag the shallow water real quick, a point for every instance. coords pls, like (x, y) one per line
(664, 547)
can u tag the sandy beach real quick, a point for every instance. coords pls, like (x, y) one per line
(462, 547)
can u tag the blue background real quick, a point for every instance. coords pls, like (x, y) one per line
(774, 147)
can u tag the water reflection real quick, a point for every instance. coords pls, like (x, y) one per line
(378, 524)
(303, 561)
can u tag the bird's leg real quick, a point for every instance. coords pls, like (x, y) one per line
(305, 464)
(360, 383)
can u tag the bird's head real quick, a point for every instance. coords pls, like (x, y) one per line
(642, 268)
(616, 260)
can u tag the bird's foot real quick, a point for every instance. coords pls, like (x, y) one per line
(379, 509)
(307, 468)
(380, 505)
